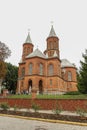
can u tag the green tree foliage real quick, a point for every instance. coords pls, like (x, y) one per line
(4, 53)
(82, 75)
(2, 69)
(10, 81)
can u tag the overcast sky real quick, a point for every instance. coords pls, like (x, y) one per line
(70, 24)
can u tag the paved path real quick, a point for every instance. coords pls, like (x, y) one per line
(51, 112)
(8, 123)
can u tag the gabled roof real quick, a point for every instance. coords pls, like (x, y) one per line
(52, 32)
(28, 39)
(66, 63)
(37, 53)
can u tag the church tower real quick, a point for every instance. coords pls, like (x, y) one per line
(27, 47)
(52, 44)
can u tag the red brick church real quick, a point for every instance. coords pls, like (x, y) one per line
(45, 72)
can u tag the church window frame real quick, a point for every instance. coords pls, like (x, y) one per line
(24, 51)
(41, 69)
(23, 72)
(50, 82)
(22, 84)
(30, 69)
(28, 50)
(55, 46)
(69, 76)
(51, 45)
(50, 69)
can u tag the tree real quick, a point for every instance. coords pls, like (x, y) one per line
(82, 76)
(2, 72)
(10, 81)
(4, 51)
(2, 69)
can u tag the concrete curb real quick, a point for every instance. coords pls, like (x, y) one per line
(45, 120)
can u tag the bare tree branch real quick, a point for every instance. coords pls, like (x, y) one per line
(4, 51)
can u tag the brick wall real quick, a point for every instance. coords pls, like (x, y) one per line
(47, 104)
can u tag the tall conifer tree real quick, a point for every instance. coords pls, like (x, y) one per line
(82, 77)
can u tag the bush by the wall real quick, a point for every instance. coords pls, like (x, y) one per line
(4, 106)
(72, 93)
(35, 107)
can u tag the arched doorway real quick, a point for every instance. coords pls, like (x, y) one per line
(30, 86)
(40, 87)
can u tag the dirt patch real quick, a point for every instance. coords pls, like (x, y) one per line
(47, 116)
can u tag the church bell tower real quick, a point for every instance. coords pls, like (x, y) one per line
(52, 44)
(27, 47)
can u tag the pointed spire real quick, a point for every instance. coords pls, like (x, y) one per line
(28, 39)
(52, 32)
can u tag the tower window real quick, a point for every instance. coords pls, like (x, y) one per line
(24, 50)
(28, 50)
(55, 46)
(51, 45)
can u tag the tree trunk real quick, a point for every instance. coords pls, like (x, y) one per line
(1, 85)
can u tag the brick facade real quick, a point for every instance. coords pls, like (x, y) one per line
(45, 71)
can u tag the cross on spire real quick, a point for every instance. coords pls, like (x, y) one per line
(52, 23)
(28, 30)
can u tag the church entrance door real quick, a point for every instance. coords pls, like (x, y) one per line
(40, 87)
(30, 86)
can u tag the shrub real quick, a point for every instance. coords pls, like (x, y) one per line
(81, 112)
(35, 107)
(72, 93)
(57, 110)
(4, 106)
(16, 108)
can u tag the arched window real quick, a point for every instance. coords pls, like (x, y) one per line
(24, 50)
(50, 69)
(30, 68)
(23, 72)
(48, 46)
(50, 82)
(28, 50)
(51, 45)
(22, 84)
(41, 69)
(55, 46)
(69, 76)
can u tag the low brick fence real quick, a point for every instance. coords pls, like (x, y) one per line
(48, 104)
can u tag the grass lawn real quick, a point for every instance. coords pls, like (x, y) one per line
(63, 96)
(19, 96)
(82, 96)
